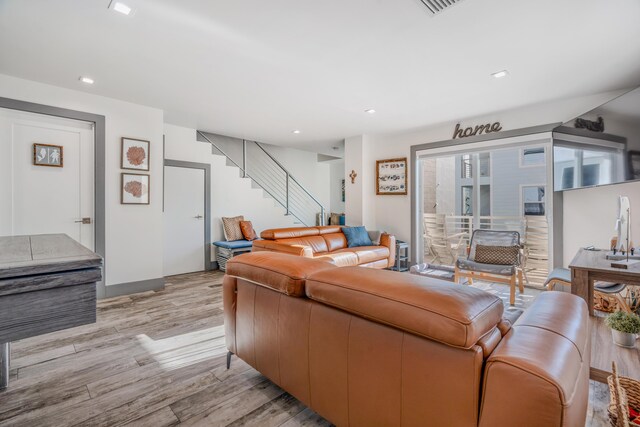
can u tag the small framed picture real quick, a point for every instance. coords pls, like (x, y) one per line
(134, 189)
(47, 155)
(391, 177)
(134, 154)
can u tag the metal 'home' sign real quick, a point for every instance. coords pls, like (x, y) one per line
(459, 132)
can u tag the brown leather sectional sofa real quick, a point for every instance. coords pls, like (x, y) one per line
(328, 243)
(379, 348)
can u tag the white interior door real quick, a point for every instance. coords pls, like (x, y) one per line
(184, 222)
(44, 199)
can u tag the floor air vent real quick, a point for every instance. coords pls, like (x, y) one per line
(438, 6)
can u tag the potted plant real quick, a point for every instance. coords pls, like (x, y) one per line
(624, 327)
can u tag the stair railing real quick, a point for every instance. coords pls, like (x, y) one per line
(272, 177)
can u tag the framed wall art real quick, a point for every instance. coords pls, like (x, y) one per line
(134, 189)
(48, 155)
(391, 177)
(134, 154)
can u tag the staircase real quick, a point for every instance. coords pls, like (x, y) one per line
(266, 173)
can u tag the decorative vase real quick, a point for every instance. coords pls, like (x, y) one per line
(624, 339)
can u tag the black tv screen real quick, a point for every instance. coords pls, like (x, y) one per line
(599, 147)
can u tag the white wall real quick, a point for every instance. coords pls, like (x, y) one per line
(590, 216)
(133, 233)
(336, 175)
(393, 213)
(305, 168)
(231, 195)
(360, 194)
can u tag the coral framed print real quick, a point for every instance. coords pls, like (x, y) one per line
(134, 189)
(47, 155)
(391, 177)
(134, 154)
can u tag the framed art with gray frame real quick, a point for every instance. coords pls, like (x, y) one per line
(391, 177)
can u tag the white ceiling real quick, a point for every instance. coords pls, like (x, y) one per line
(259, 69)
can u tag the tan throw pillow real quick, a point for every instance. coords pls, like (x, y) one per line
(497, 255)
(247, 230)
(231, 227)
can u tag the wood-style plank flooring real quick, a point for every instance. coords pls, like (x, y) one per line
(156, 359)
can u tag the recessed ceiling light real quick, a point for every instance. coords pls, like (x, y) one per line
(370, 111)
(122, 8)
(500, 74)
(296, 131)
(87, 80)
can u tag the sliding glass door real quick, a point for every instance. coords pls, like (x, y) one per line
(489, 185)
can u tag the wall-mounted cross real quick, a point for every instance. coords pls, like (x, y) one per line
(353, 175)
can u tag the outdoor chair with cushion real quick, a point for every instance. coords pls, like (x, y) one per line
(493, 256)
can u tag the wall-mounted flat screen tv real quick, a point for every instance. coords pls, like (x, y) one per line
(600, 147)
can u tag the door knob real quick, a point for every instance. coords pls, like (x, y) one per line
(83, 221)
(198, 217)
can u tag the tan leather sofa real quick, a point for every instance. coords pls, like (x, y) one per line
(379, 348)
(328, 243)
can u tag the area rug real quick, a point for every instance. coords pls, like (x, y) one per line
(523, 301)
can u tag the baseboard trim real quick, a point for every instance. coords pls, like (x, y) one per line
(134, 287)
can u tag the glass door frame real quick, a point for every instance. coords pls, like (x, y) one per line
(537, 136)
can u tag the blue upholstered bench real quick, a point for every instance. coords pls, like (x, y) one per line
(227, 250)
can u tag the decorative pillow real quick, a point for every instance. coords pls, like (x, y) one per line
(231, 227)
(356, 236)
(375, 237)
(334, 218)
(247, 230)
(497, 255)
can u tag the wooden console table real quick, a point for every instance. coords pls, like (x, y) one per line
(47, 283)
(586, 268)
(589, 266)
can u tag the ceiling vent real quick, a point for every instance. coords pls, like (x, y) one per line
(438, 6)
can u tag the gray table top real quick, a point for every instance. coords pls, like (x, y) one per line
(43, 253)
(596, 260)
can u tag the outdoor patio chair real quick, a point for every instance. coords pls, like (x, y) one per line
(503, 250)
(441, 245)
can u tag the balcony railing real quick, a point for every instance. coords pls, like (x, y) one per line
(447, 236)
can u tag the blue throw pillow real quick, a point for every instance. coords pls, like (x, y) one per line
(341, 221)
(356, 236)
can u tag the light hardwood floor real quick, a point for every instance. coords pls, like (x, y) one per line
(156, 359)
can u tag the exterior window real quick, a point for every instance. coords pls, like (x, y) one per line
(567, 177)
(533, 200)
(532, 157)
(590, 175)
(467, 200)
(465, 163)
(485, 164)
